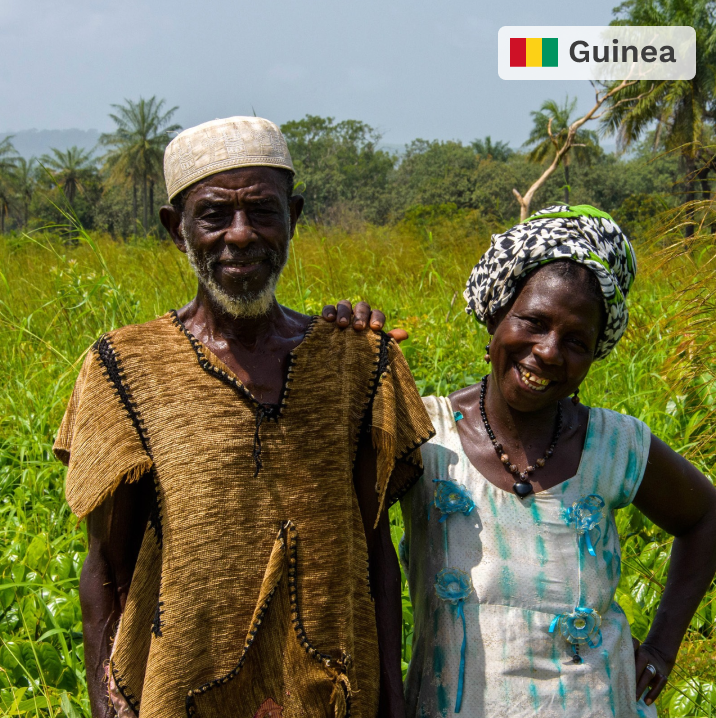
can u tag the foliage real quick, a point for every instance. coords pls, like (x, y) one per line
(56, 299)
(549, 132)
(339, 166)
(136, 149)
(8, 161)
(487, 149)
(680, 109)
(71, 169)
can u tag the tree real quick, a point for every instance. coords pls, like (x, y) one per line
(487, 149)
(25, 182)
(70, 169)
(564, 143)
(136, 149)
(551, 126)
(436, 173)
(679, 108)
(340, 165)
(8, 161)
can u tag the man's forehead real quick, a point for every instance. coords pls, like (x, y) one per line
(225, 186)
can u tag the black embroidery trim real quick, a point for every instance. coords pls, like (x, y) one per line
(114, 372)
(383, 365)
(272, 412)
(325, 660)
(378, 361)
(157, 622)
(125, 692)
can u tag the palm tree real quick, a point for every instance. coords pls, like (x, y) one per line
(137, 146)
(70, 169)
(25, 185)
(8, 161)
(679, 108)
(498, 151)
(551, 125)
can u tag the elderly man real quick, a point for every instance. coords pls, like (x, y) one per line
(234, 460)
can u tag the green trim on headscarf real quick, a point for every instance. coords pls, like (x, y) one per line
(576, 210)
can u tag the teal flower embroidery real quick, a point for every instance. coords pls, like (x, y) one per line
(454, 586)
(586, 515)
(581, 626)
(451, 498)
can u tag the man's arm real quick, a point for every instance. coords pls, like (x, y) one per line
(384, 581)
(115, 530)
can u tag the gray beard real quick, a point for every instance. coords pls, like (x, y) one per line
(250, 304)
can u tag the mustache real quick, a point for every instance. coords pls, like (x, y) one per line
(247, 257)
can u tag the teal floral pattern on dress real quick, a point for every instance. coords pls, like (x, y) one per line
(586, 515)
(454, 586)
(579, 627)
(451, 498)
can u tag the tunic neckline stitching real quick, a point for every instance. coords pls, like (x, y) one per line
(576, 475)
(272, 411)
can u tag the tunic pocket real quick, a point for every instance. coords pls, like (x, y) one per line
(279, 674)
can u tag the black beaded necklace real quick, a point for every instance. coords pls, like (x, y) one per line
(522, 487)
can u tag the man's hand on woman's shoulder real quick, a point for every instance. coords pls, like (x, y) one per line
(344, 315)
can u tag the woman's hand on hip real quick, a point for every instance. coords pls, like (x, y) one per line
(652, 671)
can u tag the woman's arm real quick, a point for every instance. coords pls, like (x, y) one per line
(115, 530)
(678, 498)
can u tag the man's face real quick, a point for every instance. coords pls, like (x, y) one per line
(235, 229)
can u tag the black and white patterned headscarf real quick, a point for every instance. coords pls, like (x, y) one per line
(580, 233)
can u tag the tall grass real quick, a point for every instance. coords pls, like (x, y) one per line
(57, 298)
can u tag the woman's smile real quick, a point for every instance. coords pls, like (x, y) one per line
(529, 379)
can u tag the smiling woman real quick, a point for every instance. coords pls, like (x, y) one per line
(536, 630)
(546, 474)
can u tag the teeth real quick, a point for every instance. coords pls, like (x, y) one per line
(532, 380)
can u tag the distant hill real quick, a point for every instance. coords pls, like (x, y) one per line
(33, 143)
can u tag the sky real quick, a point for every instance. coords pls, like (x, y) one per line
(408, 68)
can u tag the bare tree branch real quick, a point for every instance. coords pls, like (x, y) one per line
(561, 150)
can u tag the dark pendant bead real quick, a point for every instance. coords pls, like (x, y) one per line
(576, 658)
(522, 488)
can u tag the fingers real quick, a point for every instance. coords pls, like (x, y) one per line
(361, 314)
(343, 312)
(329, 313)
(643, 677)
(657, 686)
(377, 320)
(400, 335)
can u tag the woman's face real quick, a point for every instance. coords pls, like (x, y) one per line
(544, 343)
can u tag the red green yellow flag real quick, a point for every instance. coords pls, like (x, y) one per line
(533, 52)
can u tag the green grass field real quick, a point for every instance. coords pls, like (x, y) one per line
(56, 298)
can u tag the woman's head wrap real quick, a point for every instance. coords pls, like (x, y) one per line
(580, 233)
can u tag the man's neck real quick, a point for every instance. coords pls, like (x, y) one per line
(205, 318)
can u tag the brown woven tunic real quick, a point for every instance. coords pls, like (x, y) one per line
(250, 595)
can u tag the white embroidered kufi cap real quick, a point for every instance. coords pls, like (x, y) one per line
(221, 145)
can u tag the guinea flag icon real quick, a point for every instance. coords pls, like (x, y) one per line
(533, 52)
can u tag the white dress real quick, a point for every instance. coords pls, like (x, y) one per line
(544, 571)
